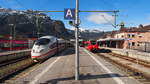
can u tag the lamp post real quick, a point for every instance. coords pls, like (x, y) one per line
(11, 35)
(37, 25)
(14, 32)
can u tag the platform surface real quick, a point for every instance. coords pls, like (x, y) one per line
(60, 70)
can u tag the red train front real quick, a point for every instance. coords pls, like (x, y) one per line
(91, 45)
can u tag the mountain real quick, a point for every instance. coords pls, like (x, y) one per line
(28, 23)
(88, 33)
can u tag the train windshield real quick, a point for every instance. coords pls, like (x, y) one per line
(42, 41)
(93, 42)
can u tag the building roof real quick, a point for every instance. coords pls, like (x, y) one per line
(135, 29)
(112, 39)
(123, 29)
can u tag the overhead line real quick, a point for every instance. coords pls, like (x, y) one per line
(99, 11)
(48, 11)
(79, 11)
(109, 21)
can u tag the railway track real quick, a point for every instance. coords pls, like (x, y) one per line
(10, 68)
(135, 68)
(11, 61)
(137, 61)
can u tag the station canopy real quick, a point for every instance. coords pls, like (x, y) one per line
(112, 39)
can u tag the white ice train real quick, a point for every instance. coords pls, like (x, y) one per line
(46, 46)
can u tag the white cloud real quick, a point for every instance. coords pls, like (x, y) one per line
(148, 17)
(100, 18)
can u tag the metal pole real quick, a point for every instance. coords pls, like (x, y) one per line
(77, 40)
(145, 46)
(11, 38)
(115, 19)
(14, 36)
(11, 35)
(37, 25)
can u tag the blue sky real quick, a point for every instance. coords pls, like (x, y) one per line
(132, 12)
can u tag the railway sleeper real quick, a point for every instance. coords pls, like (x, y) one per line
(135, 72)
(140, 61)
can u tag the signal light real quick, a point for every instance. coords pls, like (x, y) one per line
(71, 23)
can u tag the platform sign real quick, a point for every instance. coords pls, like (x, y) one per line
(69, 14)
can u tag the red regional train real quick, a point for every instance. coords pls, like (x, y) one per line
(6, 45)
(91, 45)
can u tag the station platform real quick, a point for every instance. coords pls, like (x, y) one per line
(60, 70)
(14, 52)
(145, 56)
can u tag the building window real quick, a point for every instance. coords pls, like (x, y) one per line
(140, 36)
(133, 43)
(129, 44)
(128, 35)
(133, 36)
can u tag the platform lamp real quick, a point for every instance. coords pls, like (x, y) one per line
(11, 35)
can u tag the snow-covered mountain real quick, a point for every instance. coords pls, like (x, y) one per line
(92, 30)
(25, 24)
(88, 33)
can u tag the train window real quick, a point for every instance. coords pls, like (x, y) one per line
(6, 44)
(86, 44)
(42, 41)
(53, 45)
(93, 42)
(128, 35)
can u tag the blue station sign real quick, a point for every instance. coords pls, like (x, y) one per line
(69, 14)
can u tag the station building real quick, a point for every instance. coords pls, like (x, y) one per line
(128, 38)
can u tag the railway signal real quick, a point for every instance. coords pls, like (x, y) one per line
(72, 23)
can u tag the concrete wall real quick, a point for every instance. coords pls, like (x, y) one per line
(132, 53)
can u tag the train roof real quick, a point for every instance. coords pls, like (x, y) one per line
(49, 37)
